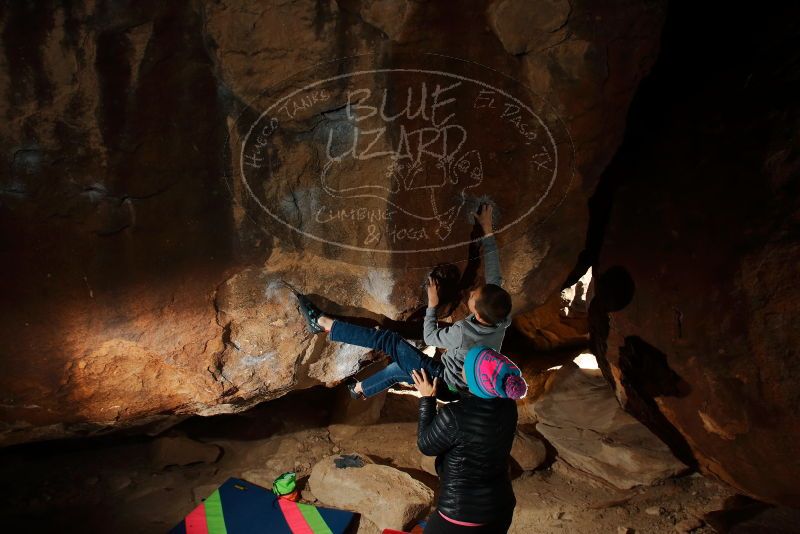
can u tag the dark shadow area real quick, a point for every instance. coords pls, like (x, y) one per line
(743, 515)
(266, 419)
(278, 416)
(52, 448)
(646, 367)
(645, 370)
(614, 289)
(709, 126)
(80, 485)
(645, 376)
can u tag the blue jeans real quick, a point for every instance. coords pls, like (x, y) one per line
(405, 356)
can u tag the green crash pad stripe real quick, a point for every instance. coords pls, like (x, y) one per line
(314, 519)
(215, 519)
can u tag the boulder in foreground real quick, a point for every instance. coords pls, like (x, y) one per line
(580, 416)
(384, 495)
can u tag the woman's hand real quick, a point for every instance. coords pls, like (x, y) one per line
(433, 292)
(423, 384)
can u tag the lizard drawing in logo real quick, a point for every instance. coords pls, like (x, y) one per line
(428, 188)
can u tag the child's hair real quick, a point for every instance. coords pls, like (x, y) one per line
(493, 303)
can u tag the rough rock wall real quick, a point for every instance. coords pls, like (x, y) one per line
(135, 284)
(698, 268)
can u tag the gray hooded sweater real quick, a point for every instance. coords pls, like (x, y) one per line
(467, 333)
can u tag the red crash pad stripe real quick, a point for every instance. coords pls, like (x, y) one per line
(294, 517)
(196, 521)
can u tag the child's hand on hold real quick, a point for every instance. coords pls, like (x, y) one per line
(484, 218)
(423, 384)
(433, 292)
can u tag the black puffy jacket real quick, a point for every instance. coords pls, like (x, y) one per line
(471, 439)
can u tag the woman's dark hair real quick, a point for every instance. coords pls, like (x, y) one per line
(493, 303)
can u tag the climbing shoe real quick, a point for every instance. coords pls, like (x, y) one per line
(308, 310)
(351, 387)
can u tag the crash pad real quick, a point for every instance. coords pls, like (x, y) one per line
(241, 507)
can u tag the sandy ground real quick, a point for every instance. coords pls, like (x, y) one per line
(116, 485)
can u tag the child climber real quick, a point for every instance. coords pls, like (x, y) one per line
(489, 305)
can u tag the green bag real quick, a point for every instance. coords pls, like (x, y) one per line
(284, 484)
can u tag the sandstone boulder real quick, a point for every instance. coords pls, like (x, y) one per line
(394, 441)
(386, 496)
(268, 347)
(136, 266)
(537, 381)
(579, 416)
(528, 451)
(694, 318)
(523, 28)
